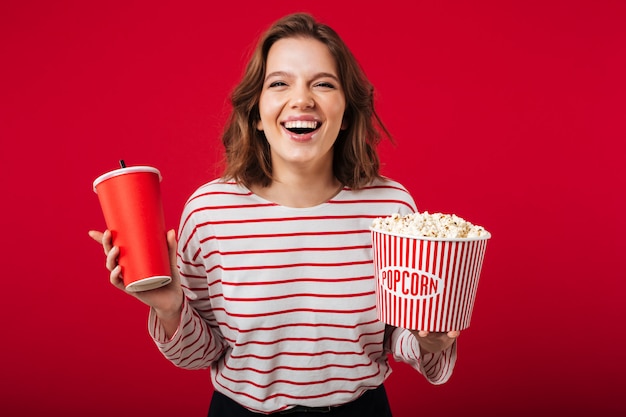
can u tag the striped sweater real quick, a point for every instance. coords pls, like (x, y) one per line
(280, 301)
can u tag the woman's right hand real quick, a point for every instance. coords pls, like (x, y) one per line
(167, 301)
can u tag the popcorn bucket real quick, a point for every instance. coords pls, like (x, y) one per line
(425, 283)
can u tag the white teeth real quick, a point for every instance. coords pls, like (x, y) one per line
(301, 124)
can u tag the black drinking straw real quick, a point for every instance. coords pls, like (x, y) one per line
(122, 164)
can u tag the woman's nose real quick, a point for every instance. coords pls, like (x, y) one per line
(302, 98)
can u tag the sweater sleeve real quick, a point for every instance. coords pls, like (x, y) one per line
(197, 342)
(194, 345)
(435, 367)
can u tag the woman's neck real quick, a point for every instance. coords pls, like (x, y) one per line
(300, 191)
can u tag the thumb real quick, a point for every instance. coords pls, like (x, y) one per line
(172, 247)
(171, 240)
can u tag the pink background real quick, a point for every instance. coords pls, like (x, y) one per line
(508, 113)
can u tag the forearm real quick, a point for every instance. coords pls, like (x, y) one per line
(169, 320)
(188, 343)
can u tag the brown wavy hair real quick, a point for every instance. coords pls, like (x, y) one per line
(247, 152)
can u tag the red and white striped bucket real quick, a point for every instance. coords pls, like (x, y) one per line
(425, 283)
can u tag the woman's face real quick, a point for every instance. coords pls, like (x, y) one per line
(301, 105)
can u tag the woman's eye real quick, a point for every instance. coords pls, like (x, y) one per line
(325, 85)
(277, 84)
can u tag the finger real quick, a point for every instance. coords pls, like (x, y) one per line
(454, 334)
(116, 277)
(172, 246)
(422, 333)
(111, 261)
(107, 241)
(95, 235)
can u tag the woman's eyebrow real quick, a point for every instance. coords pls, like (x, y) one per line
(277, 74)
(315, 76)
(326, 75)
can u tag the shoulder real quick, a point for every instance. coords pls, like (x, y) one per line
(217, 192)
(384, 191)
(212, 200)
(384, 188)
(219, 187)
(389, 185)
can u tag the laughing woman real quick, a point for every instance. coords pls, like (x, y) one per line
(273, 285)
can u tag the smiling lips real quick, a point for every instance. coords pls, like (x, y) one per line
(302, 127)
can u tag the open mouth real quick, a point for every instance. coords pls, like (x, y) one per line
(302, 127)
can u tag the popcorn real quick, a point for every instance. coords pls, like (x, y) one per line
(427, 268)
(437, 225)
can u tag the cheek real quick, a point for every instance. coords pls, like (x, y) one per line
(269, 112)
(338, 112)
(338, 107)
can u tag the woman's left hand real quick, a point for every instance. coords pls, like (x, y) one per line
(434, 342)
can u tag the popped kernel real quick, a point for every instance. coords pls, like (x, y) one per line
(436, 225)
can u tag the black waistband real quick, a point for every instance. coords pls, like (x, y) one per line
(327, 409)
(373, 403)
(303, 409)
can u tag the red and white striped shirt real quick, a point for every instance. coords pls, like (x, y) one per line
(280, 301)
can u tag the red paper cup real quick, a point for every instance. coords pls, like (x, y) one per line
(426, 283)
(130, 199)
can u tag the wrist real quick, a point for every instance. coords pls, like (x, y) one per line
(423, 349)
(171, 312)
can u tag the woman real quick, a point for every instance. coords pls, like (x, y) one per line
(273, 284)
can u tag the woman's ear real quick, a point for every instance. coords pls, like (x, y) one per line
(259, 125)
(344, 123)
